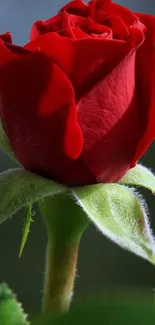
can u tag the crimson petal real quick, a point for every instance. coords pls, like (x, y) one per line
(38, 111)
(113, 8)
(76, 7)
(108, 118)
(145, 87)
(83, 69)
(6, 37)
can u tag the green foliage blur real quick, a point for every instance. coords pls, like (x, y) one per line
(119, 309)
(115, 310)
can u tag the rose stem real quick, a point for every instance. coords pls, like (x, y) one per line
(65, 222)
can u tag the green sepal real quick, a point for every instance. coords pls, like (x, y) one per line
(120, 214)
(19, 188)
(11, 311)
(5, 144)
(139, 176)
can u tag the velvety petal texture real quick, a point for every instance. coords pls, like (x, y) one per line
(38, 111)
(76, 7)
(6, 37)
(145, 87)
(77, 101)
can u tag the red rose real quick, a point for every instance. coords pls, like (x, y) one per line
(77, 101)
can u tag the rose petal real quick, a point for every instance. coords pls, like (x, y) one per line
(115, 23)
(107, 6)
(42, 27)
(76, 174)
(54, 24)
(79, 33)
(6, 37)
(145, 87)
(66, 24)
(97, 6)
(108, 118)
(38, 111)
(76, 7)
(66, 27)
(82, 69)
(86, 26)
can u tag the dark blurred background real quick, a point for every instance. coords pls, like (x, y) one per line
(102, 264)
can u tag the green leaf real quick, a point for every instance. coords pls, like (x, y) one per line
(11, 311)
(139, 176)
(26, 228)
(19, 188)
(120, 214)
(5, 144)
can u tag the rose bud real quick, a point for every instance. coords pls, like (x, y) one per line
(77, 101)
